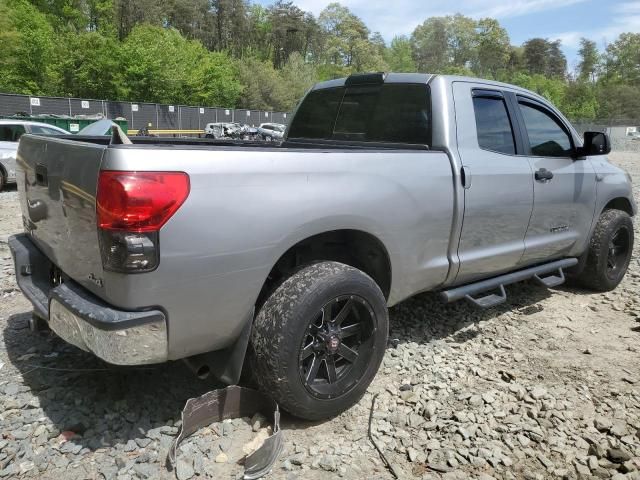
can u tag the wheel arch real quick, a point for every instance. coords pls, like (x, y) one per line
(620, 203)
(354, 247)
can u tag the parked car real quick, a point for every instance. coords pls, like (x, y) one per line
(10, 133)
(271, 131)
(385, 186)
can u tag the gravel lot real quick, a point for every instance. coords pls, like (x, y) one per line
(546, 386)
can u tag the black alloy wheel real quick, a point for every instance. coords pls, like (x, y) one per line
(330, 354)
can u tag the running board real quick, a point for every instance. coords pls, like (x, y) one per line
(548, 275)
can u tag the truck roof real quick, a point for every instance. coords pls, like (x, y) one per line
(416, 78)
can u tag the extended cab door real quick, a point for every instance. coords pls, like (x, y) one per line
(564, 187)
(498, 182)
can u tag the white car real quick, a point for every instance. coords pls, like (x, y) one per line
(10, 133)
(271, 131)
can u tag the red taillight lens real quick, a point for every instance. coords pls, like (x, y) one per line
(139, 201)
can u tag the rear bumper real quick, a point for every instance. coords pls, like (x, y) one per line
(78, 317)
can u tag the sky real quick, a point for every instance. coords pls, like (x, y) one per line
(568, 20)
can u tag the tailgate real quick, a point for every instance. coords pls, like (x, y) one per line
(57, 181)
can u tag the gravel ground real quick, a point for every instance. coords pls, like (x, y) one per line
(545, 386)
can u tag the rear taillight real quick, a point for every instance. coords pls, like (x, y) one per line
(131, 207)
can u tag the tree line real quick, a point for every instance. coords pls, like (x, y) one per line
(233, 53)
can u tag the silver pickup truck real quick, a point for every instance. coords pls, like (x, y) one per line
(282, 259)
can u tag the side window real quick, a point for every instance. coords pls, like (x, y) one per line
(493, 125)
(11, 133)
(546, 136)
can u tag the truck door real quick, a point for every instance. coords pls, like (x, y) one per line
(564, 188)
(498, 182)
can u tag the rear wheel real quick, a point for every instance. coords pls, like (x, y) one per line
(319, 339)
(3, 179)
(609, 252)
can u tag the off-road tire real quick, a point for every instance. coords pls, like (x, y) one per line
(2, 179)
(282, 324)
(595, 275)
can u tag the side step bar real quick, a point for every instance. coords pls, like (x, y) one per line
(548, 275)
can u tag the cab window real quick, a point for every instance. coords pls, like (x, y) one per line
(493, 126)
(547, 136)
(387, 113)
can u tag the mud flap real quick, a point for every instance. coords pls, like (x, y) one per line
(233, 402)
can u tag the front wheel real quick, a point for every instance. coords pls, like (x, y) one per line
(2, 179)
(609, 251)
(319, 339)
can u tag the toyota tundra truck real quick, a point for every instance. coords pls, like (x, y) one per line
(281, 260)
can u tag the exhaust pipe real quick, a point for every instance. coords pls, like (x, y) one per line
(198, 365)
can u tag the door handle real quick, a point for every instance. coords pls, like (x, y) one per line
(543, 175)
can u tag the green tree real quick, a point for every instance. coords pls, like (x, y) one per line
(622, 59)
(556, 61)
(462, 40)
(618, 102)
(534, 55)
(398, 55)
(494, 49)
(159, 65)
(90, 65)
(29, 53)
(229, 22)
(297, 76)
(263, 86)
(579, 102)
(288, 31)
(589, 60)
(430, 45)
(551, 88)
(347, 42)
(189, 17)
(444, 42)
(544, 57)
(128, 14)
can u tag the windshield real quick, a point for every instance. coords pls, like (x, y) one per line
(389, 113)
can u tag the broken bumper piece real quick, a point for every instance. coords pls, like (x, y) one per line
(233, 402)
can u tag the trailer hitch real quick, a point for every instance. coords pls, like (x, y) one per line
(233, 402)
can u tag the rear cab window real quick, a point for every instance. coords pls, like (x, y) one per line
(381, 113)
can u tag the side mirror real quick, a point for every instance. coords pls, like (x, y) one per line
(596, 143)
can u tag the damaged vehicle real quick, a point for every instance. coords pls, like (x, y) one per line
(282, 258)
